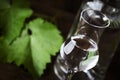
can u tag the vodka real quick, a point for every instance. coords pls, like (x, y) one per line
(80, 51)
(76, 54)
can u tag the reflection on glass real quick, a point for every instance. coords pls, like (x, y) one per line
(111, 8)
(80, 51)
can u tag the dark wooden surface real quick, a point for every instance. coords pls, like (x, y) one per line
(63, 13)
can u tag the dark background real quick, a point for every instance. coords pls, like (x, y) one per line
(62, 13)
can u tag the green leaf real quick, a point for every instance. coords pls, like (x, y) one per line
(45, 41)
(31, 45)
(12, 17)
(38, 41)
(18, 52)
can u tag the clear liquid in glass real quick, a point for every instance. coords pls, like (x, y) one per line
(78, 53)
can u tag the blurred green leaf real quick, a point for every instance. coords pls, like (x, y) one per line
(12, 16)
(38, 41)
(45, 41)
(30, 45)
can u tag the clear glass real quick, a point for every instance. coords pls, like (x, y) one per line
(80, 51)
(113, 13)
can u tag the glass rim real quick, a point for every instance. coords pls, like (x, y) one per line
(104, 26)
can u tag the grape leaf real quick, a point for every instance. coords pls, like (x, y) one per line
(38, 41)
(18, 52)
(12, 16)
(31, 45)
(45, 40)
